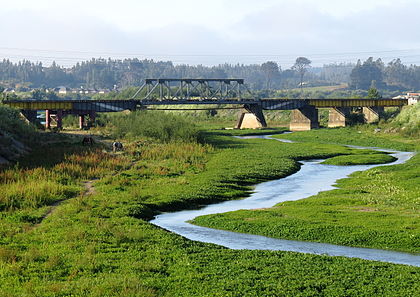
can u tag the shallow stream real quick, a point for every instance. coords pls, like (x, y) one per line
(312, 178)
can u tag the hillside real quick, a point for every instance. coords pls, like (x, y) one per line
(408, 120)
(14, 135)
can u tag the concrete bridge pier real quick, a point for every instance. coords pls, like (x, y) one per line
(304, 118)
(338, 116)
(47, 119)
(251, 117)
(372, 113)
(81, 121)
(59, 119)
(30, 115)
(92, 118)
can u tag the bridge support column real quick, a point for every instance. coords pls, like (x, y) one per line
(92, 118)
(30, 115)
(47, 119)
(372, 113)
(338, 117)
(304, 118)
(59, 118)
(81, 121)
(251, 117)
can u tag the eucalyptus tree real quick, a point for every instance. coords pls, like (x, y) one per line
(301, 66)
(271, 71)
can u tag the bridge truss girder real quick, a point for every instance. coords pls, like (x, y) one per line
(193, 90)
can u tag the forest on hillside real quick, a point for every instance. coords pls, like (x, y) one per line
(117, 74)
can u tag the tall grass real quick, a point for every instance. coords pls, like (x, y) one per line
(157, 125)
(11, 123)
(23, 187)
(409, 120)
(14, 133)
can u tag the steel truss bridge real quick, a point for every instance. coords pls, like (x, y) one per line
(170, 92)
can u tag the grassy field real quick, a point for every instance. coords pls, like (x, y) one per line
(100, 244)
(322, 88)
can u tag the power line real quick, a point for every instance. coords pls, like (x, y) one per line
(182, 59)
(208, 54)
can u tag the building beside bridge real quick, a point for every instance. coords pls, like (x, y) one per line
(412, 98)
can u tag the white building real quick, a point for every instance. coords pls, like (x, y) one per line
(413, 98)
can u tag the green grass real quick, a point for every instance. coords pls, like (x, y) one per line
(161, 126)
(14, 134)
(408, 120)
(360, 159)
(360, 135)
(102, 245)
(51, 173)
(378, 208)
(247, 132)
(321, 88)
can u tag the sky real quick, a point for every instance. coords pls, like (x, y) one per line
(210, 32)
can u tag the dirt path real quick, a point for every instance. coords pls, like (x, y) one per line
(89, 189)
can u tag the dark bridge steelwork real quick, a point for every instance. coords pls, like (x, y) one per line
(265, 104)
(231, 92)
(169, 89)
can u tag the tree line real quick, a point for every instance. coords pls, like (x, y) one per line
(375, 74)
(110, 73)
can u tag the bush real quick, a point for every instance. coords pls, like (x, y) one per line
(12, 123)
(157, 125)
(409, 120)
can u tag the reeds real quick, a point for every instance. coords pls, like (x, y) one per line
(22, 187)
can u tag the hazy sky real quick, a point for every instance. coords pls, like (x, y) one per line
(210, 32)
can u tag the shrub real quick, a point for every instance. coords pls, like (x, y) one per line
(161, 126)
(409, 120)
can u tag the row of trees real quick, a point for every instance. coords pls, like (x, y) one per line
(394, 75)
(107, 73)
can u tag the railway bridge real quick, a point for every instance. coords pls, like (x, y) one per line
(204, 92)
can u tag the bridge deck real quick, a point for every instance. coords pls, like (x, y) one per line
(268, 104)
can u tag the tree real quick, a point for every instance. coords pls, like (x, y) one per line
(38, 94)
(373, 93)
(271, 71)
(363, 74)
(301, 66)
(396, 74)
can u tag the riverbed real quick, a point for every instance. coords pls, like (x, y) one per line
(312, 178)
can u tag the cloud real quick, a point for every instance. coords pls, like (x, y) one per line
(305, 29)
(279, 30)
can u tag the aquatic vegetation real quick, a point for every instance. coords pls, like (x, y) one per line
(102, 244)
(377, 208)
(360, 159)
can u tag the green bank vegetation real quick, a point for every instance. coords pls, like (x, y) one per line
(102, 245)
(408, 121)
(378, 208)
(360, 159)
(14, 134)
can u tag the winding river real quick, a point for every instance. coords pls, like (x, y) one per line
(312, 178)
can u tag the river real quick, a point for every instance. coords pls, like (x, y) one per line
(312, 178)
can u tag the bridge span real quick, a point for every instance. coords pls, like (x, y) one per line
(199, 92)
